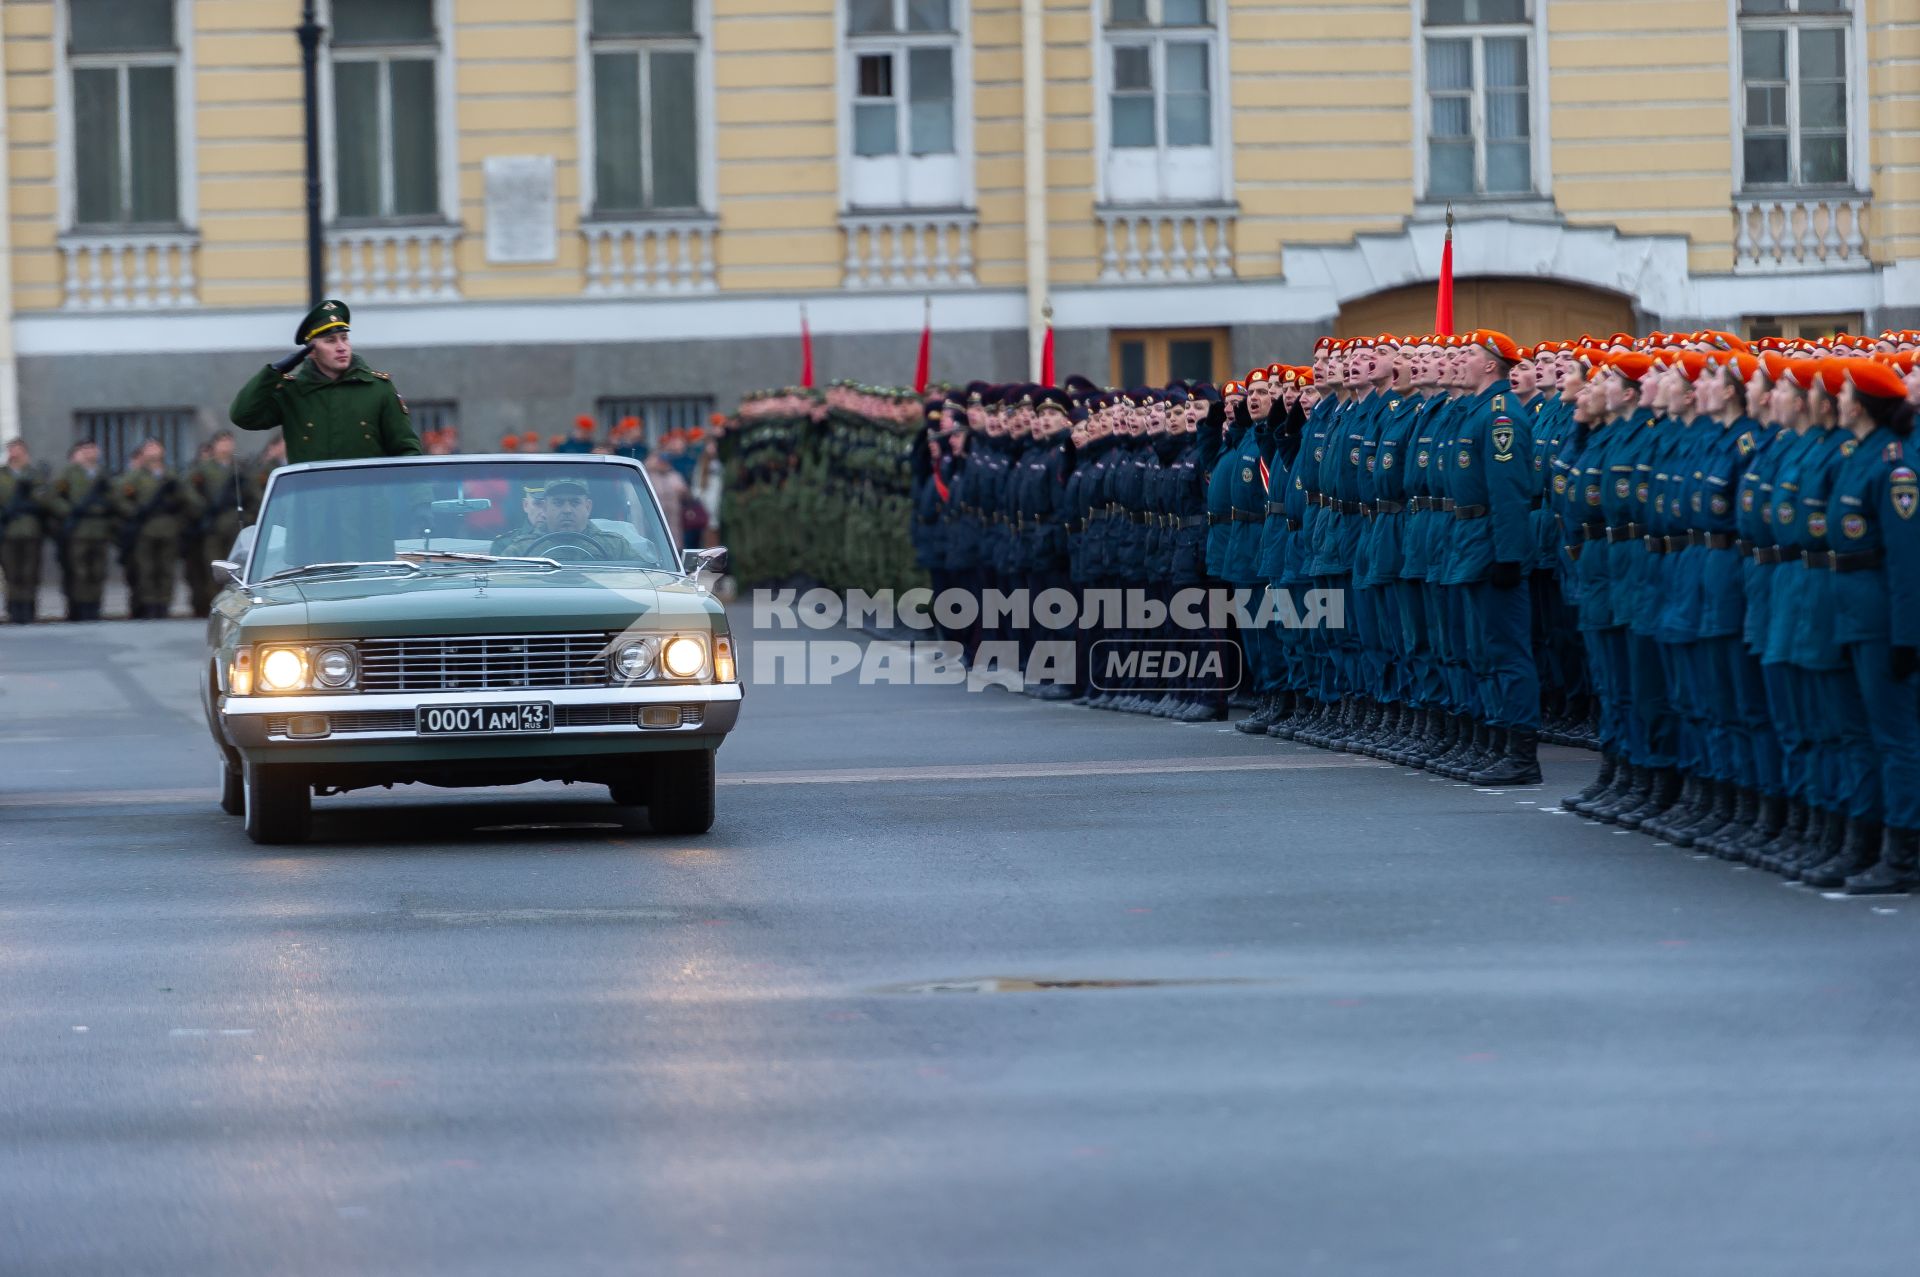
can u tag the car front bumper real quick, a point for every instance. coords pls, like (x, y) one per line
(380, 728)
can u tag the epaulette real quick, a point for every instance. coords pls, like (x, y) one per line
(384, 376)
(1499, 401)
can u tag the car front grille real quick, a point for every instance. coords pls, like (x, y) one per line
(484, 663)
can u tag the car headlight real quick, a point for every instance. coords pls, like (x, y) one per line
(283, 669)
(333, 667)
(633, 661)
(684, 656)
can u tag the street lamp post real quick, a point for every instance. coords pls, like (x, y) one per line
(310, 33)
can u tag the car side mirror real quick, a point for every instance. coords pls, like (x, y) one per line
(227, 570)
(710, 559)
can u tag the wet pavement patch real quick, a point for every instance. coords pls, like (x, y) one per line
(1013, 984)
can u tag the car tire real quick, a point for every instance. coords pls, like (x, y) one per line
(233, 790)
(279, 803)
(680, 797)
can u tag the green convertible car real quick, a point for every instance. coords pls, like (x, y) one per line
(466, 621)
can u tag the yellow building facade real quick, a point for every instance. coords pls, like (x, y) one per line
(541, 208)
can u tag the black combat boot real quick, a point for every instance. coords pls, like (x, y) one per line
(1609, 768)
(1765, 828)
(1486, 748)
(1684, 809)
(1688, 812)
(1473, 738)
(1788, 842)
(1895, 873)
(1826, 835)
(1859, 853)
(1716, 815)
(1437, 740)
(1630, 788)
(1518, 764)
(1662, 794)
(1743, 812)
(1257, 722)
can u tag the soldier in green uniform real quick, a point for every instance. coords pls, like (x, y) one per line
(567, 508)
(24, 494)
(220, 486)
(83, 498)
(328, 404)
(156, 507)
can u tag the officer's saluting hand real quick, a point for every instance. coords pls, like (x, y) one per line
(328, 404)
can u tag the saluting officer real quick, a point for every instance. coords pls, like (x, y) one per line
(328, 404)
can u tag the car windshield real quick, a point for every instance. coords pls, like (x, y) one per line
(459, 514)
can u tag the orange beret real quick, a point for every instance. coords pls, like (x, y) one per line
(1232, 388)
(530, 438)
(1255, 377)
(1631, 364)
(1495, 343)
(584, 424)
(509, 443)
(1872, 378)
(1691, 363)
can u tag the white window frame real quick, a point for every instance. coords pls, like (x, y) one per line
(184, 149)
(446, 140)
(1539, 107)
(1106, 37)
(1854, 22)
(897, 42)
(706, 153)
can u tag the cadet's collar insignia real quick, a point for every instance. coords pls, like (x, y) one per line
(1746, 443)
(1847, 446)
(1499, 401)
(1394, 404)
(1905, 491)
(1892, 451)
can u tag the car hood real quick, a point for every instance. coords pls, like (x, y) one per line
(454, 602)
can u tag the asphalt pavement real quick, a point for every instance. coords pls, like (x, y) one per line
(959, 983)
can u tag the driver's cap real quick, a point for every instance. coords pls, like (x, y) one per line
(559, 487)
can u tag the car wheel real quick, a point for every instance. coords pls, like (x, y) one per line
(279, 804)
(233, 790)
(680, 797)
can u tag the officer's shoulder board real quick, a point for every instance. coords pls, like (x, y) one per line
(384, 376)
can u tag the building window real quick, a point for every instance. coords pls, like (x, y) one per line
(1810, 327)
(1795, 126)
(384, 57)
(119, 431)
(1161, 63)
(124, 59)
(646, 106)
(659, 414)
(903, 61)
(1479, 63)
(430, 415)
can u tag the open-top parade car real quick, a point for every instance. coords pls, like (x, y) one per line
(466, 621)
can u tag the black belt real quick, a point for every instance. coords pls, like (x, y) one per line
(1818, 558)
(1573, 552)
(1858, 562)
(1775, 553)
(1746, 548)
(1194, 521)
(1418, 504)
(1714, 540)
(1625, 532)
(1293, 525)
(1469, 511)
(1348, 507)
(1241, 516)
(1388, 507)
(1276, 507)
(1593, 530)
(1441, 503)
(1657, 545)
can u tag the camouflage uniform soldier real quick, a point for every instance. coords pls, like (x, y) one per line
(24, 494)
(84, 498)
(220, 486)
(157, 507)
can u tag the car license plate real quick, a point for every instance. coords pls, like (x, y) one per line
(485, 720)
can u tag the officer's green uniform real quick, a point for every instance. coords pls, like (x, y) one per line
(157, 509)
(358, 414)
(221, 491)
(86, 508)
(613, 548)
(23, 537)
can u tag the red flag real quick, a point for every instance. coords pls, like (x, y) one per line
(806, 351)
(920, 368)
(1046, 357)
(1443, 306)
